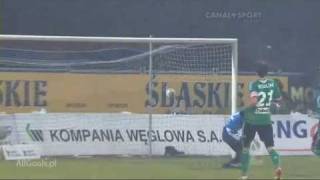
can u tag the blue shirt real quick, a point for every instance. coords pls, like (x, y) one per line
(235, 123)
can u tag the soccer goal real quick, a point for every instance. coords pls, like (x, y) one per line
(119, 95)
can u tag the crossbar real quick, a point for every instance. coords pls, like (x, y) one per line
(12, 37)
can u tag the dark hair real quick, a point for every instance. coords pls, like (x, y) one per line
(262, 69)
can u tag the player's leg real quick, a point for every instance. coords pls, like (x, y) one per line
(249, 132)
(226, 139)
(315, 147)
(266, 135)
(235, 145)
(238, 148)
(318, 142)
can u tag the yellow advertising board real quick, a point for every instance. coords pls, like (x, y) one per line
(70, 92)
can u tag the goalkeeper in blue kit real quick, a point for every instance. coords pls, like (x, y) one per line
(231, 135)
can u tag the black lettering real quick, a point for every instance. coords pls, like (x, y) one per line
(213, 94)
(95, 136)
(26, 93)
(284, 129)
(143, 135)
(64, 135)
(168, 135)
(11, 93)
(39, 93)
(189, 137)
(132, 134)
(105, 135)
(152, 135)
(226, 94)
(164, 96)
(240, 102)
(159, 137)
(201, 136)
(179, 135)
(213, 137)
(53, 135)
(302, 133)
(184, 95)
(118, 135)
(85, 134)
(1, 93)
(199, 91)
(76, 135)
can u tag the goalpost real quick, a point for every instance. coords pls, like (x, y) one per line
(184, 75)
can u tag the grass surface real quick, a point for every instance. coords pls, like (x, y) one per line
(302, 167)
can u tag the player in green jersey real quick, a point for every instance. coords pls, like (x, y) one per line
(263, 92)
(315, 146)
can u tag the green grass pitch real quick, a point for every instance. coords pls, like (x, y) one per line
(298, 167)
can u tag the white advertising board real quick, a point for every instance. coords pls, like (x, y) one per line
(127, 134)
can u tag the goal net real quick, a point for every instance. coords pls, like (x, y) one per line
(104, 96)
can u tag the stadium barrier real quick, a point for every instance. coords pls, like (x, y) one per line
(127, 134)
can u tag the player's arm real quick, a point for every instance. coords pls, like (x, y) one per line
(253, 99)
(277, 95)
(253, 95)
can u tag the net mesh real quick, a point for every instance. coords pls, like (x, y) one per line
(180, 58)
(198, 76)
(196, 58)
